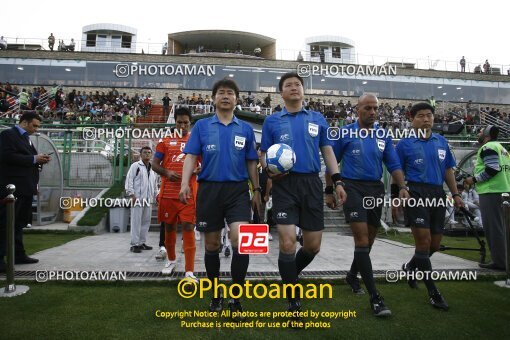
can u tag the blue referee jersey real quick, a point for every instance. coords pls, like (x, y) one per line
(425, 160)
(362, 158)
(224, 149)
(304, 131)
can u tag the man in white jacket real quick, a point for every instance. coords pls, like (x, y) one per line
(142, 188)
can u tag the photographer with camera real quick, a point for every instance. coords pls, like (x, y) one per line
(491, 179)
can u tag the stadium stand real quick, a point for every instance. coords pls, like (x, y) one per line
(72, 106)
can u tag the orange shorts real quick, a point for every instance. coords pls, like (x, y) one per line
(172, 211)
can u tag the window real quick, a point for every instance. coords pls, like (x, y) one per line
(315, 50)
(336, 52)
(116, 41)
(322, 53)
(101, 40)
(91, 40)
(126, 41)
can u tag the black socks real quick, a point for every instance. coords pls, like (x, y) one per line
(362, 258)
(212, 264)
(423, 264)
(287, 267)
(238, 268)
(354, 268)
(303, 259)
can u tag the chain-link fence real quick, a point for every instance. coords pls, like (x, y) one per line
(98, 156)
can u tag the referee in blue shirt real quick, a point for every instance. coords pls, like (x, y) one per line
(362, 148)
(427, 164)
(227, 147)
(297, 196)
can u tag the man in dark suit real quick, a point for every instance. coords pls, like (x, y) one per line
(20, 165)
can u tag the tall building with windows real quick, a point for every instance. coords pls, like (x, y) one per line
(105, 37)
(330, 49)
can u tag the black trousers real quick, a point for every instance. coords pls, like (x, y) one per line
(22, 217)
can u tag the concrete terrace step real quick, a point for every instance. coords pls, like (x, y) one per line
(110, 252)
(155, 115)
(154, 227)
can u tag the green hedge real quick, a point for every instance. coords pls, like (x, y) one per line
(94, 215)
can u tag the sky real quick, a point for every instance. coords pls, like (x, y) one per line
(426, 30)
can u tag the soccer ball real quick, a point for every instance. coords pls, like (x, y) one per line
(280, 158)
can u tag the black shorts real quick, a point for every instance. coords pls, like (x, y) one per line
(298, 199)
(220, 201)
(426, 216)
(359, 206)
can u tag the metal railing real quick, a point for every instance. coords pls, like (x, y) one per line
(98, 155)
(15, 108)
(92, 162)
(487, 119)
(194, 109)
(148, 47)
(266, 111)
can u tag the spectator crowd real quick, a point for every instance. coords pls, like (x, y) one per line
(76, 105)
(116, 107)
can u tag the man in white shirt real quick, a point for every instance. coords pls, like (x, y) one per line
(141, 186)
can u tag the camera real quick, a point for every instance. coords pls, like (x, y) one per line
(460, 177)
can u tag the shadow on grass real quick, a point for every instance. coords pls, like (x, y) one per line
(450, 241)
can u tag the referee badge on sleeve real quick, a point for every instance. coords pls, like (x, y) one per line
(313, 129)
(239, 142)
(381, 144)
(442, 154)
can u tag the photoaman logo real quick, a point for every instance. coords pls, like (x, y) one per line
(189, 288)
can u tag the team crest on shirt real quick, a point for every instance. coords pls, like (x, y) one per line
(313, 129)
(239, 142)
(178, 158)
(381, 144)
(442, 154)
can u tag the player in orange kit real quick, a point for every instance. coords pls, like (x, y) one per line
(168, 161)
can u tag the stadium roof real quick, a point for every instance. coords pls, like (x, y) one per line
(217, 39)
(330, 40)
(109, 27)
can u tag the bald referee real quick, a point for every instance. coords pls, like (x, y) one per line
(363, 147)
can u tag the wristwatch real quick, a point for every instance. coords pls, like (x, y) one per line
(259, 189)
(403, 187)
(337, 183)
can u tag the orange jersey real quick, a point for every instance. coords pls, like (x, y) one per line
(169, 150)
